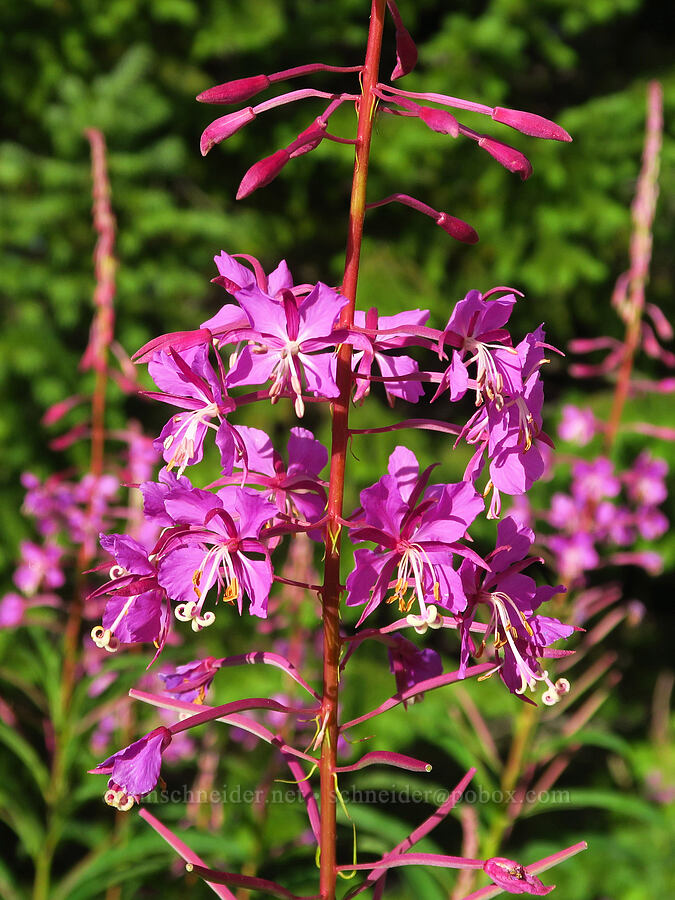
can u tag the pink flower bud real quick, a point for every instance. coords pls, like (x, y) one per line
(458, 229)
(263, 172)
(307, 140)
(406, 51)
(222, 128)
(235, 91)
(529, 123)
(509, 157)
(439, 120)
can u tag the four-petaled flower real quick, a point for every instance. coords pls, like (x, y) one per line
(134, 771)
(416, 529)
(286, 338)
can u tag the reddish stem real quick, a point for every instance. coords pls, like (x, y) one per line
(332, 586)
(631, 304)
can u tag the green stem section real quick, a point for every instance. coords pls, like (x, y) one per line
(526, 727)
(332, 587)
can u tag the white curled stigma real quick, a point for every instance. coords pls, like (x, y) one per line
(411, 568)
(104, 638)
(118, 797)
(190, 612)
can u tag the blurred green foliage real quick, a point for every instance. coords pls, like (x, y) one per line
(132, 70)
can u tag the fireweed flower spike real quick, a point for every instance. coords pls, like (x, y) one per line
(306, 343)
(415, 538)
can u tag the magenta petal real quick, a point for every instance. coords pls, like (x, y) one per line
(256, 578)
(514, 878)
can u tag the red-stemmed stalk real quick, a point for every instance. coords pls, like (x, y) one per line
(629, 300)
(332, 587)
(629, 294)
(95, 357)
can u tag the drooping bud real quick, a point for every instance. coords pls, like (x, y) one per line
(509, 157)
(406, 51)
(529, 123)
(308, 140)
(224, 127)
(439, 120)
(235, 91)
(263, 172)
(457, 228)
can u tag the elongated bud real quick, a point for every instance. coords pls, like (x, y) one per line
(308, 140)
(222, 128)
(263, 172)
(439, 120)
(529, 123)
(457, 228)
(406, 51)
(235, 91)
(509, 157)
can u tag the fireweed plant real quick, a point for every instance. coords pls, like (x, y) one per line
(66, 687)
(608, 517)
(280, 342)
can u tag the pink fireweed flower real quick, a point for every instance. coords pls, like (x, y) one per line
(511, 432)
(39, 567)
(577, 425)
(294, 487)
(188, 380)
(409, 665)
(214, 550)
(389, 366)
(416, 536)
(511, 598)
(645, 480)
(134, 771)
(191, 681)
(283, 342)
(476, 328)
(137, 610)
(512, 877)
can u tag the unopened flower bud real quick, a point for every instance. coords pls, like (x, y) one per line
(457, 228)
(509, 157)
(529, 123)
(406, 51)
(235, 91)
(439, 120)
(263, 172)
(224, 127)
(308, 140)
